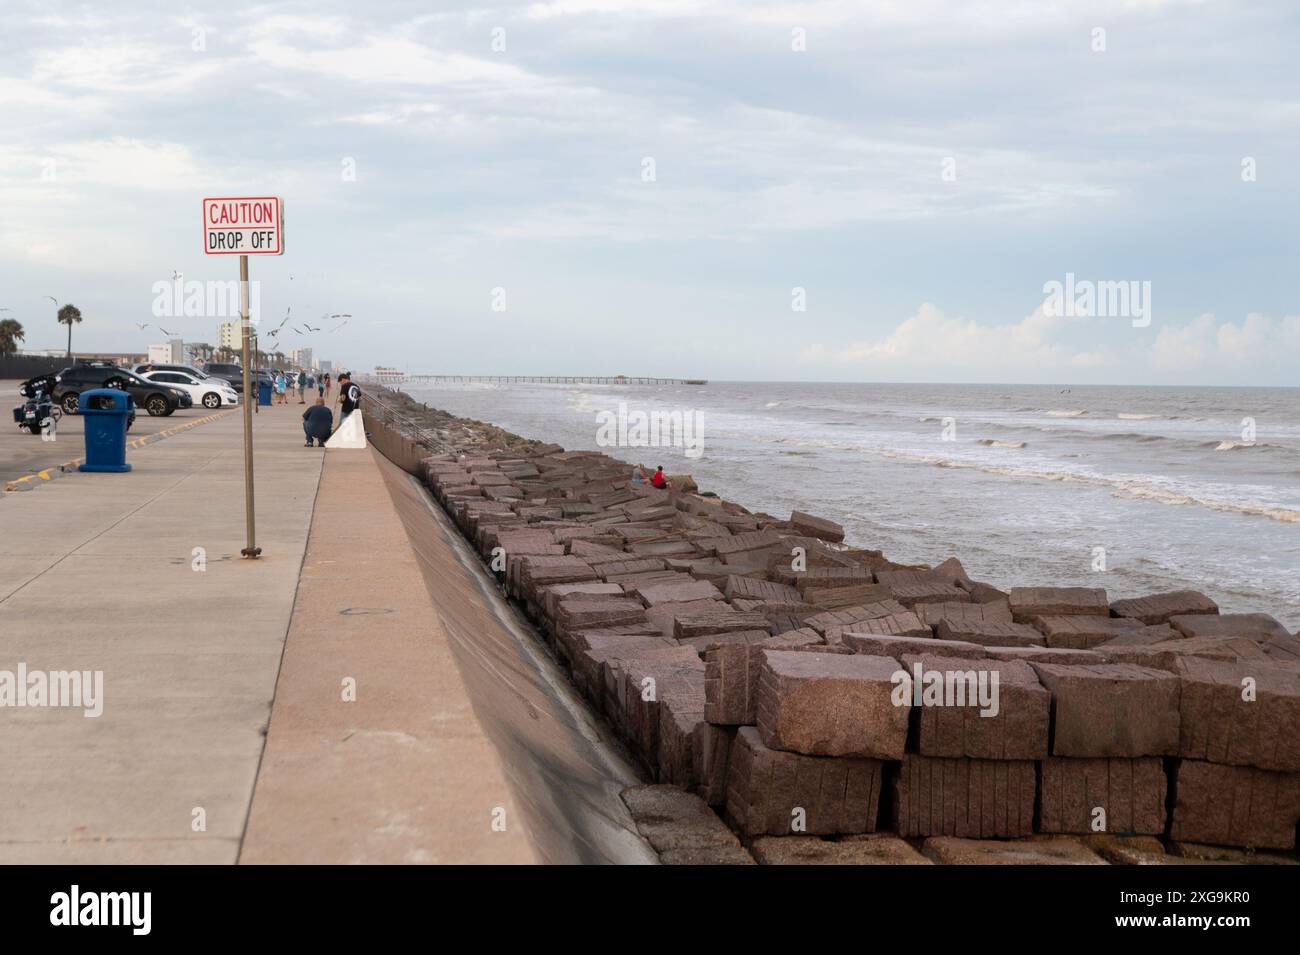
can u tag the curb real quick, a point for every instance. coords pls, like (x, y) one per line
(29, 481)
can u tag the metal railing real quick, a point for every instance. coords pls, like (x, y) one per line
(402, 422)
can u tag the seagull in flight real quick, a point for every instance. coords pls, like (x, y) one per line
(142, 325)
(164, 331)
(53, 299)
(310, 328)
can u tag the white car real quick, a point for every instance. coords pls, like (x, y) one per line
(209, 392)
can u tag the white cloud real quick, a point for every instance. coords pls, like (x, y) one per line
(932, 340)
(118, 66)
(1206, 342)
(389, 60)
(1038, 345)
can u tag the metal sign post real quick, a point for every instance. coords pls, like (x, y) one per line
(252, 551)
(245, 226)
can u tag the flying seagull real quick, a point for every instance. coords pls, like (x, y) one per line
(53, 299)
(309, 328)
(142, 325)
(164, 331)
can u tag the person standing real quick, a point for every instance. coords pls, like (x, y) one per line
(302, 387)
(349, 395)
(280, 385)
(328, 382)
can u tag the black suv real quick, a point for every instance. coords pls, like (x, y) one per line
(155, 398)
(231, 373)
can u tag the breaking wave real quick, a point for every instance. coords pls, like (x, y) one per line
(1128, 487)
(1238, 445)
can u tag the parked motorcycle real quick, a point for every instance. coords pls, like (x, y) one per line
(39, 412)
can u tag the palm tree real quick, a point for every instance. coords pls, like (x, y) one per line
(11, 333)
(68, 315)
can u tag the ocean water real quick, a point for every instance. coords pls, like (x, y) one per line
(1026, 485)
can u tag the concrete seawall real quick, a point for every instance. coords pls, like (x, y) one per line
(750, 662)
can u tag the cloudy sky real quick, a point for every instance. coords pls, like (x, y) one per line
(724, 188)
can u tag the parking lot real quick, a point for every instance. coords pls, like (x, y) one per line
(22, 453)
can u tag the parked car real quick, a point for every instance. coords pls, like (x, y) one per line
(154, 397)
(231, 373)
(209, 392)
(146, 367)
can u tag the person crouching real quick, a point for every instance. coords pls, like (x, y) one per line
(318, 423)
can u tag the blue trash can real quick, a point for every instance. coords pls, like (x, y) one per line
(106, 412)
(263, 392)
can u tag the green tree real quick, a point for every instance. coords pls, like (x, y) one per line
(70, 315)
(11, 333)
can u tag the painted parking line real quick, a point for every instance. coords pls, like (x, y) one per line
(29, 481)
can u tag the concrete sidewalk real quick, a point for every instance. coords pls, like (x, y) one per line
(375, 754)
(96, 573)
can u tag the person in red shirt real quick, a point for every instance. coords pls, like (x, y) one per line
(660, 480)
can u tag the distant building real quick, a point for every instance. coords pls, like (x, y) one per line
(301, 358)
(326, 366)
(169, 353)
(230, 335)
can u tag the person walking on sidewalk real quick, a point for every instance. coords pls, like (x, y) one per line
(302, 387)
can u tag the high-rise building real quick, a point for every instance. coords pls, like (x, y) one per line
(301, 358)
(230, 335)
